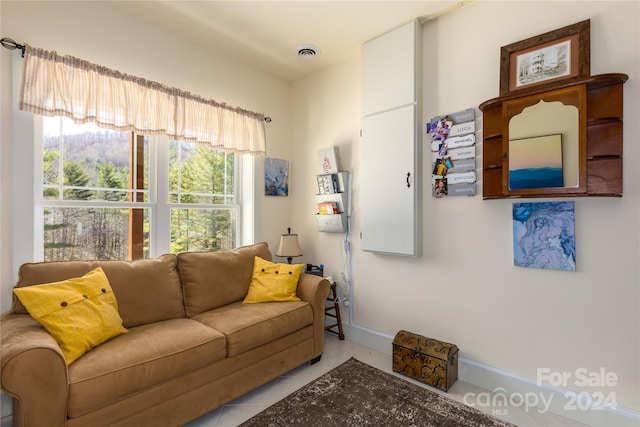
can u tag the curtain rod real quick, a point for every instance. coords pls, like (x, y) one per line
(13, 45)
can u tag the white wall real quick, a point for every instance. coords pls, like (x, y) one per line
(465, 289)
(106, 35)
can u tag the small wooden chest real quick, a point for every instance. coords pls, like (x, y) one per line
(426, 359)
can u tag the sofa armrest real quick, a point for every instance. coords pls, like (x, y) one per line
(314, 290)
(33, 371)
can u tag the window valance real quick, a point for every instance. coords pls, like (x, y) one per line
(54, 85)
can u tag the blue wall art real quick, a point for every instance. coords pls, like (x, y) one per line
(544, 235)
(276, 177)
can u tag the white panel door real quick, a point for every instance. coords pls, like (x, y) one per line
(388, 182)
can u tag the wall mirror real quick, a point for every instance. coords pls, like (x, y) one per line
(545, 143)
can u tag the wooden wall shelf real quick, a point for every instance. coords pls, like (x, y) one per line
(603, 133)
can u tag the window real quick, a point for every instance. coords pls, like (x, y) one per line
(106, 194)
(202, 198)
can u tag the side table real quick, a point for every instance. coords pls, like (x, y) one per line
(333, 310)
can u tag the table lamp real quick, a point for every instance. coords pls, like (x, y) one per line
(289, 246)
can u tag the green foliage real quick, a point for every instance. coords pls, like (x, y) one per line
(75, 176)
(202, 177)
(100, 171)
(109, 177)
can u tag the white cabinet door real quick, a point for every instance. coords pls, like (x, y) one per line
(389, 70)
(388, 182)
(391, 198)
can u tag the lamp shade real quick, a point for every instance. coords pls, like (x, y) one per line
(289, 246)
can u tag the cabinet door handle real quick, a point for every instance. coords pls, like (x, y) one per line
(408, 176)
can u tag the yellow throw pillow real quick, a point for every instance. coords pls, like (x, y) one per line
(79, 313)
(273, 282)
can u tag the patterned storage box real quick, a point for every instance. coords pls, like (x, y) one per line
(426, 359)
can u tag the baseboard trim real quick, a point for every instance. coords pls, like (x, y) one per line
(558, 401)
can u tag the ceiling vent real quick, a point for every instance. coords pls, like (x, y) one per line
(307, 51)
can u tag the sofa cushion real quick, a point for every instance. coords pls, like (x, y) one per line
(147, 290)
(146, 356)
(80, 313)
(247, 326)
(214, 279)
(273, 282)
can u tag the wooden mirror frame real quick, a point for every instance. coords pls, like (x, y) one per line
(601, 110)
(575, 96)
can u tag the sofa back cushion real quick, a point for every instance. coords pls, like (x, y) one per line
(146, 290)
(214, 279)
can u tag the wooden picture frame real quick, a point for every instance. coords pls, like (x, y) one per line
(546, 59)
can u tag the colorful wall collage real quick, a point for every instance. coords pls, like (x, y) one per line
(453, 154)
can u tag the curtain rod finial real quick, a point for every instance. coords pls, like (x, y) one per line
(12, 45)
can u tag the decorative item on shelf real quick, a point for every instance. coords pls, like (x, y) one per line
(453, 154)
(289, 246)
(327, 184)
(547, 59)
(328, 208)
(329, 159)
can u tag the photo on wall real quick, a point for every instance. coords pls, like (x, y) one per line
(535, 162)
(544, 235)
(453, 153)
(276, 177)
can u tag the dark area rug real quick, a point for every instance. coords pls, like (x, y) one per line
(356, 394)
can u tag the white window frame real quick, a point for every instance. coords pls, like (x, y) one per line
(158, 196)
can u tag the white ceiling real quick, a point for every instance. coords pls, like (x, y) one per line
(266, 34)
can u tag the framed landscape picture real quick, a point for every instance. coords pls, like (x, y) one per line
(551, 57)
(535, 162)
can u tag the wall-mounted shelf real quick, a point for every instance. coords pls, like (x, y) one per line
(336, 192)
(332, 223)
(599, 126)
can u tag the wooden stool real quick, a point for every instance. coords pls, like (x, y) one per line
(333, 299)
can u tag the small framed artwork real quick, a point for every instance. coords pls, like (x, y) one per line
(562, 54)
(535, 162)
(544, 235)
(276, 177)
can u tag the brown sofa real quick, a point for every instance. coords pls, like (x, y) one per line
(191, 344)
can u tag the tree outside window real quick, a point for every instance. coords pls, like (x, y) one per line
(99, 197)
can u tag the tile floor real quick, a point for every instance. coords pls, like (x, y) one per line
(337, 352)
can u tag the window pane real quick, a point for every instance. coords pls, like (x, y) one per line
(85, 162)
(202, 229)
(92, 233)
(200, 175)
